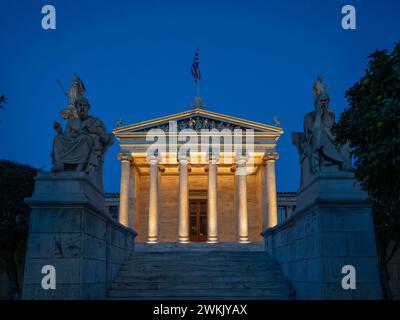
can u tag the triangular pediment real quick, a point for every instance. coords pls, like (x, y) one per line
(197, 119)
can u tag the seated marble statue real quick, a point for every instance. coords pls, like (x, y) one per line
(83, 143)
(316, 145)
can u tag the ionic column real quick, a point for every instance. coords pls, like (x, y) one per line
(272, 211)
(153, 201)
(132, 196)
(212, 200)
(124, 188)
(183, 215)
(241, 173)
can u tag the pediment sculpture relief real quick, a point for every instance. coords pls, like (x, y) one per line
(198, 123)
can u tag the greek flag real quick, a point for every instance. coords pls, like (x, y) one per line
(195, 69)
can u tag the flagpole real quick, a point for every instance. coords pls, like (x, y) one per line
(196, 74)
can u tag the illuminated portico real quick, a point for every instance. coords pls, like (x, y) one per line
(205, 194)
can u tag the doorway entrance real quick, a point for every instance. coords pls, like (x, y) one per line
(198, 219)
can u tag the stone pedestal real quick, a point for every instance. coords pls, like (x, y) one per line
(70, 230)
(330, 187)
(332, 227)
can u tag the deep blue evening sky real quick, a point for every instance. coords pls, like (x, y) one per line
(258, 59)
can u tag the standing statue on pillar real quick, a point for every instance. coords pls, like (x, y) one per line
(316, 145)
(84, 142)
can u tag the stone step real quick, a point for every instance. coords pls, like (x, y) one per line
(187, 278)
(200, 249)
(252, 292)
(196, 246)
(123, 285)
(219, 267)
(202, 273)
(214, 255)
(216, 275)
(203, 264)
(202, 253)
(200, 259)
(206, 298)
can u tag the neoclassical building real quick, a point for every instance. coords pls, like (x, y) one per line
(286, 203)
(192, 191)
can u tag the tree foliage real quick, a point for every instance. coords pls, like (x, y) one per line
(3, 99)
(371, 125)
(16, 183)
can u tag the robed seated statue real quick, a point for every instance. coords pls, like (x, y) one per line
(81, 146)
(316, 145)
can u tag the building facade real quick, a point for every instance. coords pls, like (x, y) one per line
(286, 204)
(198, 176)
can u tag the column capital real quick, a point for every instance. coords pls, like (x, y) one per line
(241, 159)
(212, 158)
(271, 156)
(183, 158)
(154, 159)
(124, 156)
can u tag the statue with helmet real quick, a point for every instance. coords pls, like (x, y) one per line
(81, 146)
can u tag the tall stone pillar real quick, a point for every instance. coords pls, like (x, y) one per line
(124, 188)
(242, 199)
(132, 196)
(212, 200)
(183, 228)
(153, 201)
(272, 210)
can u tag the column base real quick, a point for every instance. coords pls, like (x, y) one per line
(212, 240)
(152, 240)
(183, 240)
(244, 240)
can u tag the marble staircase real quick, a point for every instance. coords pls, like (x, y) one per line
(200, 271)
